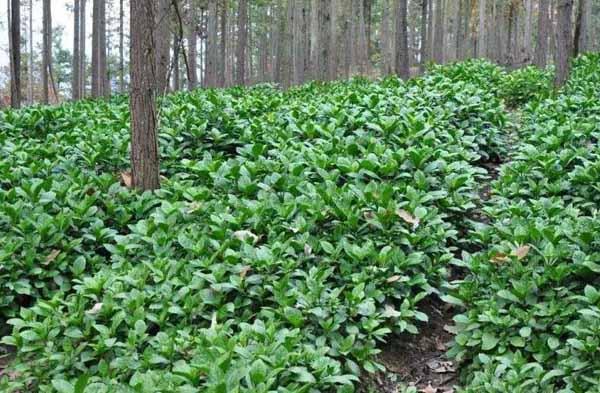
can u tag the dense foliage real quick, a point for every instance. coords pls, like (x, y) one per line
(532, 298)
(296, 230)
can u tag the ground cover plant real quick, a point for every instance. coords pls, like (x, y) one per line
(297, 231)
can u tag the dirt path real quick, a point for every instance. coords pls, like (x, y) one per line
(418, 363)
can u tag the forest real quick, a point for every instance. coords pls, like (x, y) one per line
(371, 196)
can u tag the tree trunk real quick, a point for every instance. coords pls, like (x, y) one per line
(361, 56)
(223, 50)
(402, 63)
(528, 29)
(95, 60)
(192, 41)
(212, 42)
(15, 54)
(424, 45)
(46, 50)
(580, 42)
(82, 49)
(175, 63)
(564, 41)
(333, 40)
(162, 42)
(298, 44)
(242, 43)
(438, 39)
(144, 142)
(541, 48)
(75, 78)
(121, 48)
(30, 59)
(481, 43)
(315, 26)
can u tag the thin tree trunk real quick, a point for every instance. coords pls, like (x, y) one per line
(82, 49)
(564, 41)
(212, 42)
(46, 50)
(387, 39)
(144, 141)
(402, 62)
(223, 49)
(362, 56)
(192, 41)
(95, 48)
(30, 59)
(75, 77)
(528, 29)
(102, 66)
(581, 28)
(438, 39)
(315, 52)
(333, 40)
(481, 44)
(242, 42)
(541, 48)
(15, 54)
(175, 64)
(424, 45)
(121, 47)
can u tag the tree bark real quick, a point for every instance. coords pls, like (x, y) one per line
(223, 49)
(82, 49)
(75, 77)
(100, 86)
(333, 40)
(192, 41)
(564, 41)
(46, 50)
(144, 143)
(424, 45)
(315, 51)
(121, 47)
(212, 42)
(15, 54)
(481, 42)
(30, 59)
(584, 13)
(242, 42)
(162, 42)
(541, 48)
(402, 62)
(438, 39)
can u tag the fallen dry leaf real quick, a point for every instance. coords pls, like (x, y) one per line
(428, 389)
(521, 252)
(52, 256)
(407, 217)
(126, 179)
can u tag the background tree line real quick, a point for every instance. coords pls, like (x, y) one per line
(220, 43)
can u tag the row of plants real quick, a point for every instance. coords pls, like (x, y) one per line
(532, 298)
(293, 232)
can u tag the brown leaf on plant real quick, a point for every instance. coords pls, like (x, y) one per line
(95, 309)
(52, 256)
(408, 218)
(369, 215)
(126, 179)
(521, 252)
(500, 258)
(244, 271)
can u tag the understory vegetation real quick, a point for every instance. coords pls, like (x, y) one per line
(296, 231)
